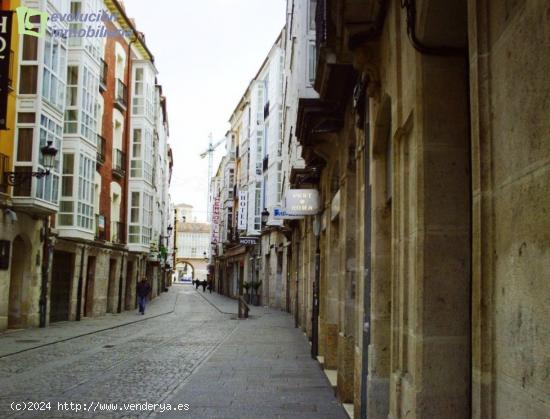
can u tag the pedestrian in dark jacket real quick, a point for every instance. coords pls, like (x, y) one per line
(203, 283)
(143, 289)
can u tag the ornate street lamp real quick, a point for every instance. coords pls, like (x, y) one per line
(48, 157)
(265, 217)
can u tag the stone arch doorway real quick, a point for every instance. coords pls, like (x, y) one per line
(20, 278)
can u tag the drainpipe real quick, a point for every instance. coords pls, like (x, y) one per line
(46, 260)
(367, 272)
(80, 285)
(119, 308)
(315, 306)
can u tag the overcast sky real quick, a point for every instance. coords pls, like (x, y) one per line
(206, 52)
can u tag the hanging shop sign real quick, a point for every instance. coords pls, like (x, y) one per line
(248, 240)
(242, 213)
(280, 214)
(215, 221)
(5, 65)
(302, 202)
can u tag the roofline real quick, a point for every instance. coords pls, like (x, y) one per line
(258, 73)
(126, 23)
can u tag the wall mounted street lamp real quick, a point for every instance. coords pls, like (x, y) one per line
(48, 154)
(265, 217)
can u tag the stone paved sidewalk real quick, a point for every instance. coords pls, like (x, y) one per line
(13, 341)
(263, 369)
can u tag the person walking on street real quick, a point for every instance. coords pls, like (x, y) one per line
(143, 289)
(203, 283)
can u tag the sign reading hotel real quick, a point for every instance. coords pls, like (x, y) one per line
(5, 56)
(242, 214)
(302, 202)
(248, 240)
(215, 221)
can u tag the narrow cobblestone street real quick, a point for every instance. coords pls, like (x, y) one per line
(187, 349)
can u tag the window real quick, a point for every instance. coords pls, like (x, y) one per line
(312, 13)
(74, 27)
(30, 48)
(148, 155)
(71, 111)
(134, 236)
(147, 219)
(24, 144)
(27, 79)
(53, 83)
(23, 188)
(257, 206)
(312, 62)
(135, 165)
(50, 131)
(66, 206)
(279, 181)
(86, 171)
(88, 123)
(139, 100)
(259, 151)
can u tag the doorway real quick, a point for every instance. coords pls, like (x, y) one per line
(90, 282)
(62, 274)
(19, 284)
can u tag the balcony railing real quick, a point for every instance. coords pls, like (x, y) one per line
(118, 232)
(4, 167)
(103, 76)
(100, 150)
(100, 232)
(121, 94)
(119, 163)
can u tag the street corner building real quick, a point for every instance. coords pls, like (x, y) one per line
(419, 267)
(85, 165)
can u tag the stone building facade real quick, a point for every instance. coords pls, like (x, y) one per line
(428, 143)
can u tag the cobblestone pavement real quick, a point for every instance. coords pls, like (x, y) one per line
(195, 354)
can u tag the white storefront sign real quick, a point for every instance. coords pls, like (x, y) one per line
(242, 214)
(302, 202)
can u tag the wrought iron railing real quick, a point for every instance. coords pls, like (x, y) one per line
(118, 232)
(121, 93)
(119, 163)
(100, 149)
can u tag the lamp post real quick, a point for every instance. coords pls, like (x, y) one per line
(48, 152)
(315, 306)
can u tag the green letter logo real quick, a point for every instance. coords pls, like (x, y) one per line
(28, 24)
